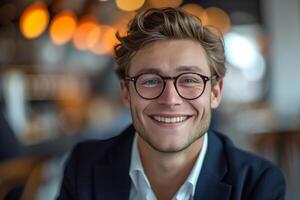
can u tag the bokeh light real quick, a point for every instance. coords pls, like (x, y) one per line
(122, 21)
(62, 27)
(242, 53)
(129, 5)
(34, 20)
(218, 18)
(106, 42)
(165, 3)
(196, 10)
(258, 69)
(86, 34)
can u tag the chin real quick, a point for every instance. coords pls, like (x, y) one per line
(169, 149)
(166, 145)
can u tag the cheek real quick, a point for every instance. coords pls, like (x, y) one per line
(201, 106)
(137, 105)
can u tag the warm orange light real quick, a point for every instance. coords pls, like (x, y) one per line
(129, 5)
(196, 10)
(122, 21)
(106, 42)
(62, 27)
(86, 34)
(165, 3)
(34, 20)
(218, 18)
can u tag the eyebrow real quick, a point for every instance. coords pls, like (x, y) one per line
(182, 68)
(149, 70)
(189, 68)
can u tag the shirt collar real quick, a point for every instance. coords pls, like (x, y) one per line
(194, 175)
(136, 170)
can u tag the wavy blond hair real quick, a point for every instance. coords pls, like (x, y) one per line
(168, 24)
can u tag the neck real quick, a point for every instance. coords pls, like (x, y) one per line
(166, 172)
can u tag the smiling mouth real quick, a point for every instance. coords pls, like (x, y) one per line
(169, 120)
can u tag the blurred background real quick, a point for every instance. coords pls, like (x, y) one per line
(58, 87)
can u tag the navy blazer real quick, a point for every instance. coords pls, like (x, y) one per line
(100, 170)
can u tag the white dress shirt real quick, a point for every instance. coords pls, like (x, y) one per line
(141, 188)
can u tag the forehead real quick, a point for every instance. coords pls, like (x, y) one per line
(169, 57)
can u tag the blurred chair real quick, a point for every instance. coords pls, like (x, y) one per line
(9, 144)
(20, 178)
(283, 148)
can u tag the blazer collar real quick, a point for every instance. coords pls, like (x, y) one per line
(111, 178)
(215, 167)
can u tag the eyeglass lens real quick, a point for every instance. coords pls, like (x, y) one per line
(188, 85)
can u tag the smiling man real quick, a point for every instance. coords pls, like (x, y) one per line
(171, 71)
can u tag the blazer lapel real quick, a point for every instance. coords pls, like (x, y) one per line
(209, 184)
(112, 181)
(111, 176)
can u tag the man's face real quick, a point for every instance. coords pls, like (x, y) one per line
(171, 58)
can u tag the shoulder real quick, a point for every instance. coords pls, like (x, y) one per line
(95, 148)
(251, 174)
(90, 150)
(86, 157)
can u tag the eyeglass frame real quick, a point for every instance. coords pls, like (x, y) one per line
(174, 80)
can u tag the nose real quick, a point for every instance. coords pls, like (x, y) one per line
(170, 96)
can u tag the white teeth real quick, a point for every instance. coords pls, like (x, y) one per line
(170, 119)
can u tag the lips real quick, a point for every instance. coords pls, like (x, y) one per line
(169, 119)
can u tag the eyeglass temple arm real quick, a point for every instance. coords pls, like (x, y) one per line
(128, 78)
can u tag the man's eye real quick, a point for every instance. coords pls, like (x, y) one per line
(189, 81)
(150, 82)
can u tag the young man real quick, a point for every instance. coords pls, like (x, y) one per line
(171, 71)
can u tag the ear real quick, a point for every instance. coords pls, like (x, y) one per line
(216, 94)
(124, 92)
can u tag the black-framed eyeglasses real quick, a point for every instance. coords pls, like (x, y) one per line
(188, 85)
